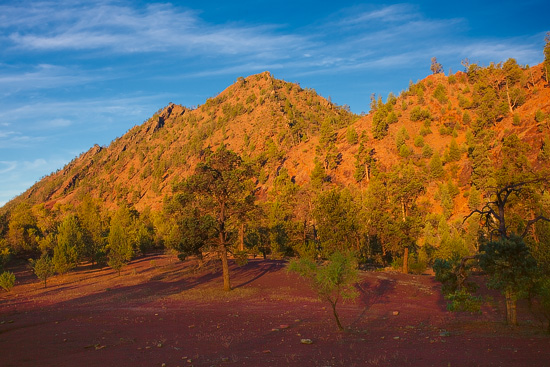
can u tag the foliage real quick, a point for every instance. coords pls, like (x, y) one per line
(511, 269)
(119, 242)
(333, 281)
(336, 216)
(7, 280)
(436, 167)
(5, 256)
(69, 242)
(43, 268)
(221, 188)
(463, 301)
(440, 93)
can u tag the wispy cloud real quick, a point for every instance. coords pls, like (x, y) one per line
(16, 79)
(120, 28)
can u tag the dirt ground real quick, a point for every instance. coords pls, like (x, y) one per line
(161, 312)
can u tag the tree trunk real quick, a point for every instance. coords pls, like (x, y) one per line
(406, 260)
(225, 269)
(333, 304)
(511, 308)
(406, 252)
(508, 96)
(241, 237)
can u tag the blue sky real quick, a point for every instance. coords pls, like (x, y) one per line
(78, 73)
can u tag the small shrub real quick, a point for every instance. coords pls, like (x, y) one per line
(7, 280)
(463, 301)
(333, 281)
(417, 267)
(539, 116)
(517, 120)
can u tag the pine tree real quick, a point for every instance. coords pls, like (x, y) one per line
(69, 242)
(119, 244)
(436, 167)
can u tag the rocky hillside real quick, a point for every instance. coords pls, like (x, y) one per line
(278, 124)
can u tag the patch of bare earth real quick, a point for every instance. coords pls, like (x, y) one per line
(161, 311)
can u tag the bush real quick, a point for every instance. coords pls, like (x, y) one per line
(417, 267)
(333, 281)
(7, 280)
(463, 301)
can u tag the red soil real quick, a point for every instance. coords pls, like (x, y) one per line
(161, 312)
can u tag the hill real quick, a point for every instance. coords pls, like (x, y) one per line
(457, 136)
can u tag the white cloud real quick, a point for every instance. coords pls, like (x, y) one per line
(122, 29)
(7, 166)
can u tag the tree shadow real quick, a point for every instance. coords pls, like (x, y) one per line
(373, 293)
(255, 269)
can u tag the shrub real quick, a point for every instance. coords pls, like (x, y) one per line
(463, 301)
(417, 267)
(333, 281)
(7, 280)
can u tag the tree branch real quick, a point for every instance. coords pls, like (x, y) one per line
(531, 222)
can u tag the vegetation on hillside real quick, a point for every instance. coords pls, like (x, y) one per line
(271, 169)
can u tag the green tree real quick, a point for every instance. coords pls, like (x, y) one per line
(119, 244)
(454, 151)
(22, 232)
(94, 228)
(336, 216)
(69, 242)
(222, 188)
(406, 185)
(511, 269)
(436, 167)
(43, 268)
(351, 136)
(333, 281)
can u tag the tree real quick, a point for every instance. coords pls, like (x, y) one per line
(333, 281)
(493, 213)
(95, 228)
(511, 269)
(336, 217)
(436, 67)
(547, 56)
(406, 185)
(507, 259)
(222, 188)
(119, 240)
(69, 241)
(43, 268)
(22, 231)
(436, 166)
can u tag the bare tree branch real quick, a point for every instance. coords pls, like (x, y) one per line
(531, 222)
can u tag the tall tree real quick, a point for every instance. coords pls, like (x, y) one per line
(70, 243)
(406, 186)
(95, 228)
(222, 188)
(119, 241)
(336, 216)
